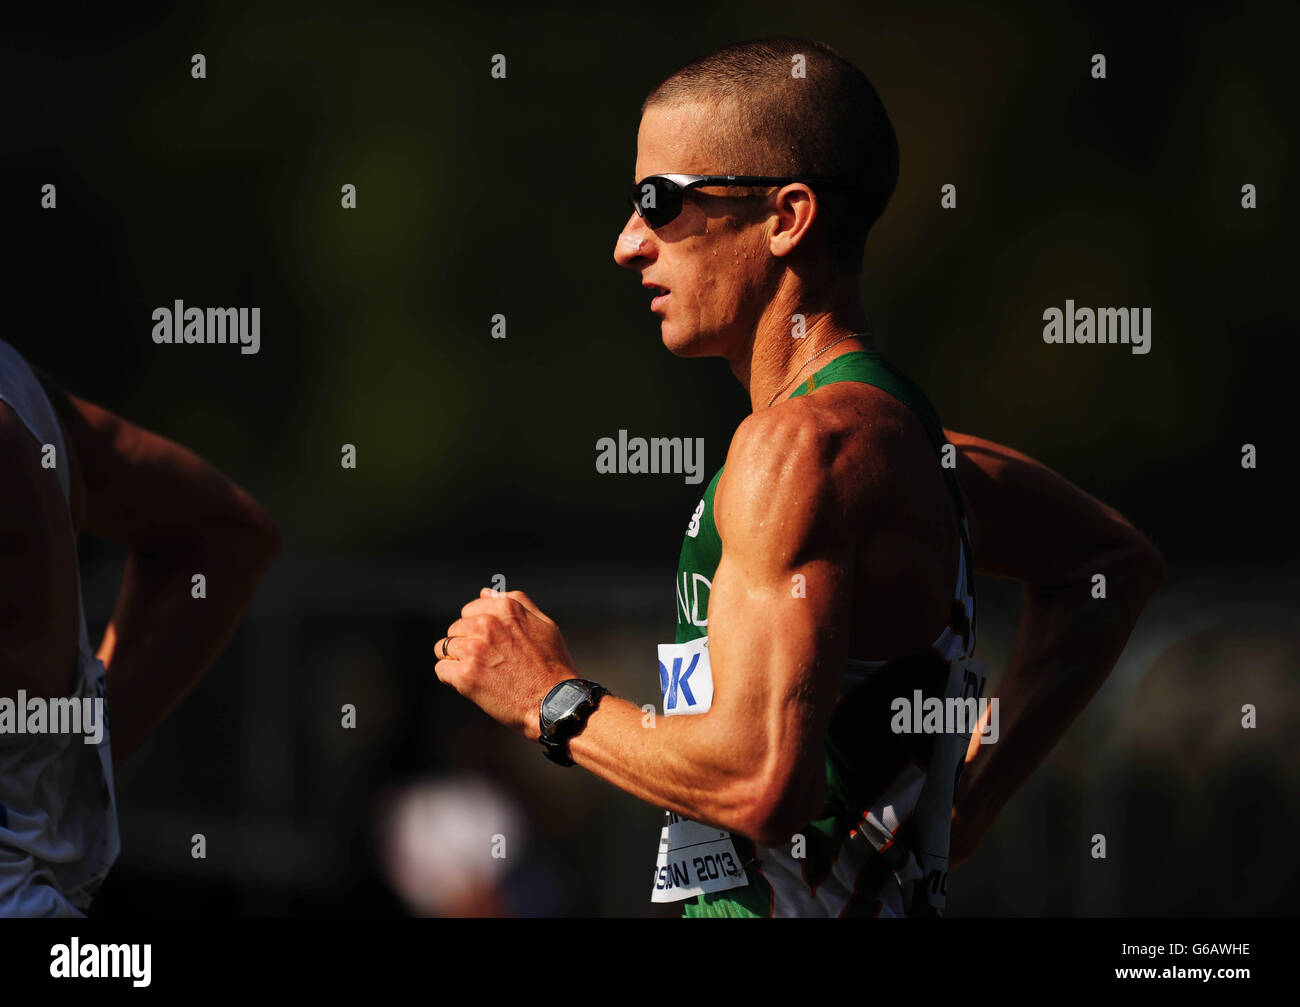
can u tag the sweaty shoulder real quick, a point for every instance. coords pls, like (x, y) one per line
(846, 431)
(848, 454)
(793, 469)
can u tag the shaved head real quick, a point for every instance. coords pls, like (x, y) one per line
(770, 120)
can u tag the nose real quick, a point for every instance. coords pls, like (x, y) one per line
(635, 242)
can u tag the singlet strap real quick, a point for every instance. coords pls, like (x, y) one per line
(869, 367)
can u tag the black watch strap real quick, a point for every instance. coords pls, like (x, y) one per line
(557, 751)
(555, 735)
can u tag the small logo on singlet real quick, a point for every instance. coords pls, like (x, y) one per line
(693, 529)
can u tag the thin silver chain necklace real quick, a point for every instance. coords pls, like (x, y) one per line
(851, 335)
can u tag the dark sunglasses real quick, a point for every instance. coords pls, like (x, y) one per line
(657, 199)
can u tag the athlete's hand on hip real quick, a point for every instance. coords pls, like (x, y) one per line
(504, 655)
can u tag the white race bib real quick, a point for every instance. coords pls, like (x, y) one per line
(685, 677)
(694, 859)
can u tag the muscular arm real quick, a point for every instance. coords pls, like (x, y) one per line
(753, 763)
(1030, 524)
(177, 516)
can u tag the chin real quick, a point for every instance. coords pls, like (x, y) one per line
(685, 344)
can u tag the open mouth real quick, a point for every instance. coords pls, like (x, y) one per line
(660, 295)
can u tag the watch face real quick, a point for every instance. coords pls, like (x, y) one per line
(567, 699)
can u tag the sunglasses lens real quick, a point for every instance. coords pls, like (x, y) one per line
(657, 199)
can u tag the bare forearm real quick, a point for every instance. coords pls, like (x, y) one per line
(162, 639)
(666, 765)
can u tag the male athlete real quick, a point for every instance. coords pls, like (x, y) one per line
(827, 573)
(67, 466)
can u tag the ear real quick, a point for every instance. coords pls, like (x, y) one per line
(796, 208)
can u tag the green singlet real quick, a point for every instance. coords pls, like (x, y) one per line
(879, 846)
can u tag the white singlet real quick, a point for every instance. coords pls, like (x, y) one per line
(58, 809)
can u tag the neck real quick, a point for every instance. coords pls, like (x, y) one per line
(777, 357)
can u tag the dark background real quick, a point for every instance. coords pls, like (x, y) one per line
(476, 456)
